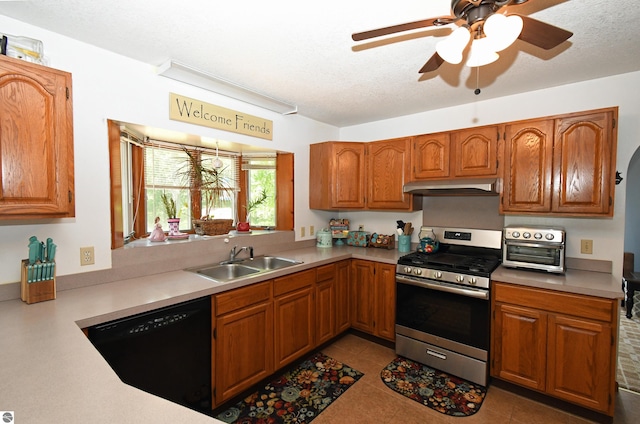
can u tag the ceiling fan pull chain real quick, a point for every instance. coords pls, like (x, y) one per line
(477, 90)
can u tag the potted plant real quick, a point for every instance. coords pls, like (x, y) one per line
(170, 208)
(213, 186)
(251, 206)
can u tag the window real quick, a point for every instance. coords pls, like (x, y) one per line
(261, 190)
(143, 169)
(162, 166)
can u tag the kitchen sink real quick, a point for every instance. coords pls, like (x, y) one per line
(224, 272)
(268, 263)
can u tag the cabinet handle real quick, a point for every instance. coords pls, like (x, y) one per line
(70, 196)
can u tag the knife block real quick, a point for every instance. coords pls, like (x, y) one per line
(36, 291)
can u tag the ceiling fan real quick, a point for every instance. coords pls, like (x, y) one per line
(490, 28)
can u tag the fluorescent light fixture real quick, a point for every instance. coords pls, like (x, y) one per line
(195, 77)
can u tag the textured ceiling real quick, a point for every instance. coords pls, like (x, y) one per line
(303, 53)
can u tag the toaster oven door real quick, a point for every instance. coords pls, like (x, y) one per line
(531, 255)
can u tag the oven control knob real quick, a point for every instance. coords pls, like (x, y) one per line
(418, 271)
(549, 236)
(408, 270)
(516, 234)
(437, 274)
(526, 235)
(537, 236)
(460, 278)
(473, 281)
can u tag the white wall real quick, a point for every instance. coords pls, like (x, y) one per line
(607, 234)
(108, 86)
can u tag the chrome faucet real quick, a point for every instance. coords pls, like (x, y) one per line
(234, 253)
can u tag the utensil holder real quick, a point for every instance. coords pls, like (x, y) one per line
(38, 282)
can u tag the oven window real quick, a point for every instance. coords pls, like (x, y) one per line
(534, 255)
(452, 316)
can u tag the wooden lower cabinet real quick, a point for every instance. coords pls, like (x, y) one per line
(294, 314)
(243, 339)
(373, 298)
(342, 289)
(558, 343)
(263, 327)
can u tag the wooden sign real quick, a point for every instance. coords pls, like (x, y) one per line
(196, 112)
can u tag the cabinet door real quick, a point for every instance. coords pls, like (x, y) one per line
(528, 167)
(475, 152)
(325, 304)
(579, 361)
(362, 295)
(385, 315)
(348, 176)
(583, 172)
(389, 168)
(36, 141)
(294, 325)
(343, 322)
(430, 156)
(244, 350)
(520, 340)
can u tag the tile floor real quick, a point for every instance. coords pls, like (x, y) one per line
(370, 401)
(628, 374)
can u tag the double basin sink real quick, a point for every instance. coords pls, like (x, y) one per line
(224, 272)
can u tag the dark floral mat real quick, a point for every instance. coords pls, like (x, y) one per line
(297, 396)
(438, 390)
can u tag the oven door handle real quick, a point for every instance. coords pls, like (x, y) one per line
(478, 294)
(544, 245)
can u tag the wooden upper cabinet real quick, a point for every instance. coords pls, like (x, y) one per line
(528, 166)
(388, 169)
(36, 141)
(347, 175)
(337, 175)
(561, 165)
(475, 152)
(430, 156)
(583, 175)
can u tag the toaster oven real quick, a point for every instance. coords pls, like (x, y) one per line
(534, 247)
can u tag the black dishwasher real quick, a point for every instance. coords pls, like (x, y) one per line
(166, 352)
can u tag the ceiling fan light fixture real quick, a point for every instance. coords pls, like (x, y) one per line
(481, 53)
(451, 48)
(502, 31)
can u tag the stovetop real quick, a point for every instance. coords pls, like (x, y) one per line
(476, 261)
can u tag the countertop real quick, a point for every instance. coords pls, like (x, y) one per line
(573, 281)
(51, 372)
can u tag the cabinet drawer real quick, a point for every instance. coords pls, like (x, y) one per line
(293, 282)
(239, 298)
(325, 272)
(565, 303)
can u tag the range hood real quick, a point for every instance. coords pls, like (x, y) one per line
(457, 187)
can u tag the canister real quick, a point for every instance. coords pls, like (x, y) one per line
(324, 238)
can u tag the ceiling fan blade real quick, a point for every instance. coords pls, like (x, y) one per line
(443, 20)
(541, 34)
(432, 64)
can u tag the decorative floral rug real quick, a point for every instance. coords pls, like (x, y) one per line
(438, 390)
(297, 396)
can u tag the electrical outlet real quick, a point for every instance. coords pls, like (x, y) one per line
(586, 246)
(87, 256)
(312, 230)
(302, 232)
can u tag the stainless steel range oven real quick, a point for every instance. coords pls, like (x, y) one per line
(442, 302)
